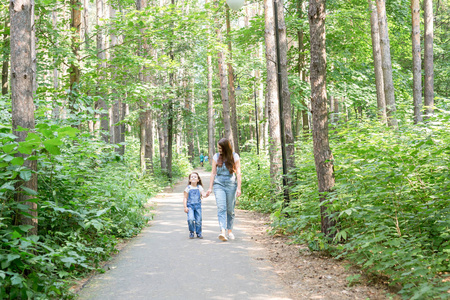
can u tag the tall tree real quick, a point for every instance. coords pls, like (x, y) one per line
(376, 52)
(318, 67)
(231, 92)
(417, 61)
(211, 141)
(5, 66)
(302, 116)
(428, 57)
(286, 111)
(223, 85)
(386, 64)
(272, 92)
(22, 113)
(101, 56)
(75, 25)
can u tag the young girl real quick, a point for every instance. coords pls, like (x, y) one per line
(193, 204)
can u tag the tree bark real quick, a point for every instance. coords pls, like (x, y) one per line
(376, 52)
(211, 141)
(386, 64)
(101, 55)
(22, 113)
(428, 58)
(233, 113)
(162, 142)
(75, 25)
(287, 114)
(301, 73)
(322, 152)
(224, 88)
(5, 66)
(115, 128)
(272, 93)
(417, 61)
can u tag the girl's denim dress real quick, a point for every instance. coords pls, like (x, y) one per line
(225, 186)
(194, 216)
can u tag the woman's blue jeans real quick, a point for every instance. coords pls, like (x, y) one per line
(225, 194)
(194, 217)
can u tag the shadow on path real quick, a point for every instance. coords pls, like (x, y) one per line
(163, 263)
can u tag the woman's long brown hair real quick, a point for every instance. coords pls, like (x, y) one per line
(226, 156)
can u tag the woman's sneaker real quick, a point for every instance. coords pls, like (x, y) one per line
(222, 237)
(191, 235)
(231, 236)
(200, 236)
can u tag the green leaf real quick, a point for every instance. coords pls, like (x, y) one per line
(52, 149)
(25, 175)
(15, 235)
(29, 191)
(9, 147)
(17, 161)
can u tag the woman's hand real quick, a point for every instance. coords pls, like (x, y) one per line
(186, 210)
(208, 192)
(238, 192)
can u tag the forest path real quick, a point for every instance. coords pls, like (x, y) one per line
(163, 263)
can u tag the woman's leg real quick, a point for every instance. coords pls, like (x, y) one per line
(231, 203)
(221, 201)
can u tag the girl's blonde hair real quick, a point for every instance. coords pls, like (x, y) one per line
(199, 179)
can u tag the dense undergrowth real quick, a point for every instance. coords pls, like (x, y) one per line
(89, 197)
(391, 201)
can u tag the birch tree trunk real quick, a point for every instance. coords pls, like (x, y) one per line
(428, 57)
(233, 114)
(22, 113)
(272, 93)
(287, 114)
(417, 61)
(376, 51)
(211, 141)
(386, 64)
(322, 152)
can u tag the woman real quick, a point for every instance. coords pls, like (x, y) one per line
(226, 180)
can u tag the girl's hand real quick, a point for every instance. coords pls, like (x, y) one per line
(208, 192)
(238, 192)
(186, 210)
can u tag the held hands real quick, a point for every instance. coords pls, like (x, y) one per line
(186, 210)
(208, 192)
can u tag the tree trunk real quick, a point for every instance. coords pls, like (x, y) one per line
(301, 73)
(101, 55)
(211, 141)
(75, 24)
(142, 136)
(123, 112)
(376, 51)
(115, 128)
(188, 120)
(162, 142)
(272, 93)
(233, 113)
(286, 111)
(336, 111)
(5, 67)
(86, 23)
(417, 61)
(386, 64)
(224, 88)
(22, 113)
(428, 58)
(322, 152)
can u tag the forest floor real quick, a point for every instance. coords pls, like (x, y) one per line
(310, 275)
(277, 268)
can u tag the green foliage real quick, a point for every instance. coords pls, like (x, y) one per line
(391, 201)
(88, 197)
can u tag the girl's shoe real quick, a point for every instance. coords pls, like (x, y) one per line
(191, 235)
(200, 236)
(231, 236)
(222, 237)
